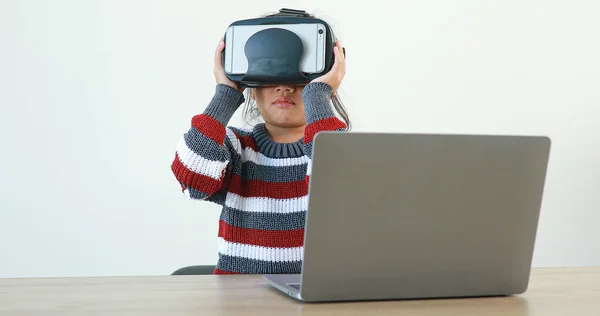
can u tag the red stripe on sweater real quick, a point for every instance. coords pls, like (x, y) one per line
(261, 237)
(219, 271)
(247, 141)
(273, 190)
(327, 124)
(210, 127)
(196, 181)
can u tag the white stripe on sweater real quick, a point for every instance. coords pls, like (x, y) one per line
(199, 164)
(234, 140)
(259, 253)
(268, 205)
(258, 158)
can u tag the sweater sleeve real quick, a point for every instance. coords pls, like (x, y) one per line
(204, 152)
(319, 116)
(319, 113)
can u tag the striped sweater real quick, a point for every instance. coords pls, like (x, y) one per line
(261, 185)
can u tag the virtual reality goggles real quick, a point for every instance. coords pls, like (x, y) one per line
(289, 48)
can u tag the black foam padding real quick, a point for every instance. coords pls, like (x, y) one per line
(274, 57)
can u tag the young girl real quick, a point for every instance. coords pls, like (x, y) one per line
(260, 175)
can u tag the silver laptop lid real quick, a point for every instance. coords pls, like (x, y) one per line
(416, 216)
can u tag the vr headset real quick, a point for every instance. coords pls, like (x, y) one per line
(289, 48)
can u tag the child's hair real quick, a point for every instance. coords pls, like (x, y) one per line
(251, 112)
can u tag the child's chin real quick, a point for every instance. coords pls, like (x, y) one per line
(289, 122)
(284, 105)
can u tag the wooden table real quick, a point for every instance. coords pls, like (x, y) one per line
(557, 291)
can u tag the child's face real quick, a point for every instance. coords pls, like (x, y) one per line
(281, 106)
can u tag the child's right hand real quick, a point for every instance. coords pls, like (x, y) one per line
(219, 71)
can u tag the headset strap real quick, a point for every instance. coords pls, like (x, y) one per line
(292, 12)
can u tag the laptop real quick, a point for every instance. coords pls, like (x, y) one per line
(416, 216)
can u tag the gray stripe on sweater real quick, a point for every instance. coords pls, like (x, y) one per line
(263, 220)
(218, 197)
(195, 194)
(206, 147)
(251, 171)
(253, 266)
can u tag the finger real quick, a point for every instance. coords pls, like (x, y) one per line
(218, 51)
(342, 59)
(340, 56)
(338, 65)
(335, 65)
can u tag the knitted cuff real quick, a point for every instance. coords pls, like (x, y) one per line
(317, 102)
(224, 103)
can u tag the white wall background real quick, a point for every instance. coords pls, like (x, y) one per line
(95, 94)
